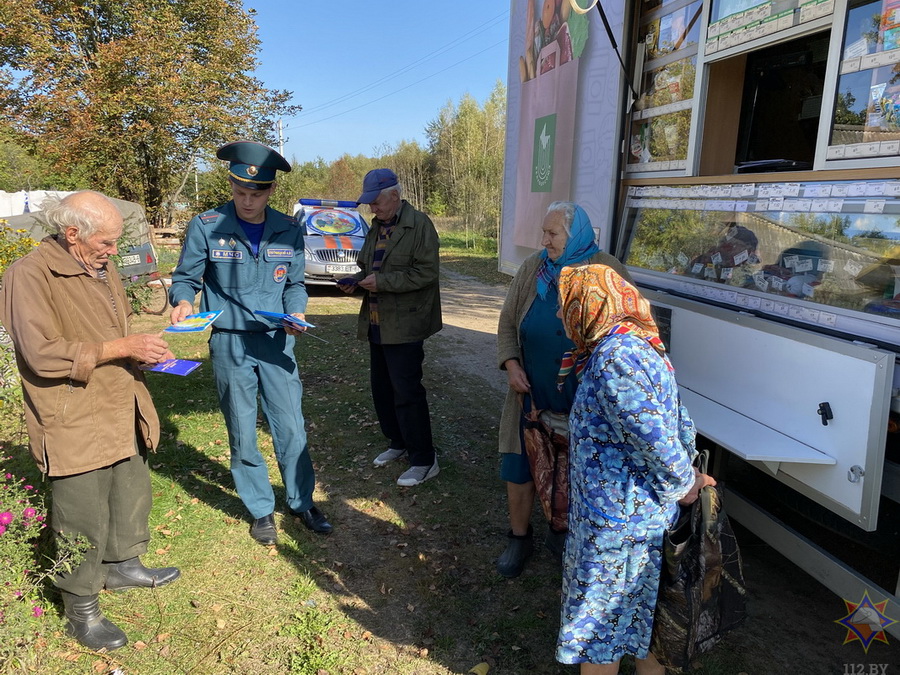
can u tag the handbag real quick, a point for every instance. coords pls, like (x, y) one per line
(702, 594)
(548, 457)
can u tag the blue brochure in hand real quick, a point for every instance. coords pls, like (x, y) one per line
(280, 319)
(195, 323)
(173, 367)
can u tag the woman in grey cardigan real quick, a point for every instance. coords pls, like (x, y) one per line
(530, 344)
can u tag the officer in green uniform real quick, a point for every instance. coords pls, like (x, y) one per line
(244, 256)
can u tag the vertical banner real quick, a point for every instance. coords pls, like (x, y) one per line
(548, 70)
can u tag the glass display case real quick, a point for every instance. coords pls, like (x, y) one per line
(866, 117)
(835, 245)
(661, 120)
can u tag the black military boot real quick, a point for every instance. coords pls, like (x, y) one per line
(87, 624)
(511, 562)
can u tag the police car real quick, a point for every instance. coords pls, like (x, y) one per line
(334, 234)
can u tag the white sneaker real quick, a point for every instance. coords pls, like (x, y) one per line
(388, 456)
(416, 475)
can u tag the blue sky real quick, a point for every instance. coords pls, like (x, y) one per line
(371, 73)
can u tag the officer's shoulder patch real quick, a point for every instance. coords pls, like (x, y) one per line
(209, 217)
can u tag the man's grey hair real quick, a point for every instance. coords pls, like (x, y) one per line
(62, 213)
(394, 188)
(568, 211)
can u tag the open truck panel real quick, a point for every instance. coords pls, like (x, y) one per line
(744, 165)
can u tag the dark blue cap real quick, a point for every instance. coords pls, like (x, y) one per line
(253, 165)
(374, 182)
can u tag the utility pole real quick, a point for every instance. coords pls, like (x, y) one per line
(280, 139)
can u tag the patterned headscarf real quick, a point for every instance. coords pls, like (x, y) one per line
(597, 302)
(579, 246)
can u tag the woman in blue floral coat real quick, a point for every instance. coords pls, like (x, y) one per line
(632, 447)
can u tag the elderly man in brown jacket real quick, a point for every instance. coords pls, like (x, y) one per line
(89, 415)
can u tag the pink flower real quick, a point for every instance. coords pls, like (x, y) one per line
(6, 518)
(2, 529)
(29, 487)
(29, 512)
(8, 476)
(37, 611)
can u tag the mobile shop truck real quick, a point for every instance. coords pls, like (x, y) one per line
(742, 160)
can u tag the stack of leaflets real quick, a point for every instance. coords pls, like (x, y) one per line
(283, 320)
(173, 367)
(195, 323)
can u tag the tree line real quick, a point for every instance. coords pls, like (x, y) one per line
(132, 97)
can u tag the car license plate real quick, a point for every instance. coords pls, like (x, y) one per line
(341, 269)
(134, 259)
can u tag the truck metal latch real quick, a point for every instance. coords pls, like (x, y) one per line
(825, 413)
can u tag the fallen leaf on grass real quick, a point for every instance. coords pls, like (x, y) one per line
(100, 666)
(162, 637)
(411, 608)
(217, 607)
(220, 623)
(140, 645)
(367, 635)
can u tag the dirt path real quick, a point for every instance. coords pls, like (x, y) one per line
(791, 626)
(470, 311)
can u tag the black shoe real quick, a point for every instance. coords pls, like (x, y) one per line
(313, 519)
(263, 530)
(511, 562)
(88, 625)
(556, 544)
(132, 574)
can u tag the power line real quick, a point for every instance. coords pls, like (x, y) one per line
(396, 91)
(428, 57)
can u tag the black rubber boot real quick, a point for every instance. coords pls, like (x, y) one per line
(87, 624)
(131, 573)
(511, 562)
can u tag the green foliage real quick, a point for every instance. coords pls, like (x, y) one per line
(173, 78)
(13, 245)
(466, 144)
(23, 567)
(22, 170)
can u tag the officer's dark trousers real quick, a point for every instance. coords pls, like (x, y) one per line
(400, 400)
(110, 507)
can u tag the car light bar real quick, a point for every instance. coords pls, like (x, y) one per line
(339, 203)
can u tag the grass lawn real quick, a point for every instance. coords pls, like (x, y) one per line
(405, 584)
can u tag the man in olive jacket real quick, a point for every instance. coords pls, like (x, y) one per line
(401, 308)
(90, 418)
